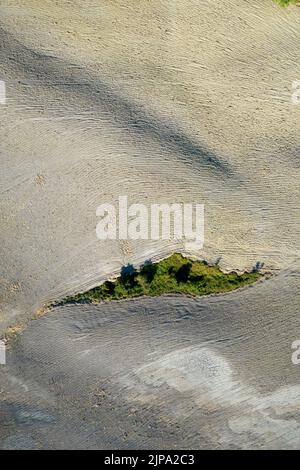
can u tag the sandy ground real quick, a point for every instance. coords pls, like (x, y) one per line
(162, 101)
(158, 373)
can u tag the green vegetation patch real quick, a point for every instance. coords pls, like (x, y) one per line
(285, 3)
(176, 274)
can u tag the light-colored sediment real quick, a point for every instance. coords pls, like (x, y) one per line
(168, 101)
(162, 101)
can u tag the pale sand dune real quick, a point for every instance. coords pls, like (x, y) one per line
(162, 101)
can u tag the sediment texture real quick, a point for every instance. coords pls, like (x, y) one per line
(162, 101)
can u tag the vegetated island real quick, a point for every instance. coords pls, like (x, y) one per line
(176, 274)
